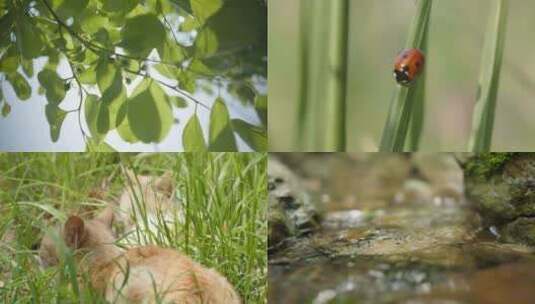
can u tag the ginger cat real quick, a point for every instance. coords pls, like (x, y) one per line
(149, 197)
(141, 274)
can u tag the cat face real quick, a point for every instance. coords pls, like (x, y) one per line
(76, 234)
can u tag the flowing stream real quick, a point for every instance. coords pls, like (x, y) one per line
(395, 229)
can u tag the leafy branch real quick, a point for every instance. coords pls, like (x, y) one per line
(104, 43)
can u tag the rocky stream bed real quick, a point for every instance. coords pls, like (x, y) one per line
(398, 228)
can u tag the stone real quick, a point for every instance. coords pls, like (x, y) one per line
(501, 187)
(292, 210)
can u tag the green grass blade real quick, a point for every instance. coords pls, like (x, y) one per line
(397, 124)
(483, 117)
(319, 31)
(417, 117)
(336, 78)
(302, 108)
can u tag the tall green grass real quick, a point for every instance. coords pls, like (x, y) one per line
(335, 114)
(406, 99)
(225, 220)
(320, 120)
(412, 143)
(489, 79)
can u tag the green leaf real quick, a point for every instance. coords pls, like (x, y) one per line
(189, 24)
(103, 119)
(192, 136)
(221, 135)
(149, 114)
(198, 67)
(6, 24)
(186, 81)
(206, 43)
(184, 5)
(109, 79)
(125, 132)
(170, 51)
(166, 70)
(243, 91)
(6, 109)
(53, 84)
(261, 107)
(254, 136)
(88, 75)
(117, 111)
(27, 67)
(93, 22)
(102, 37)
(119, 6)
(204, 9)
(179, 102)
(91, 113)
(10, 61)
(29, 39)
(141, 34)
(20, 85)
(73, 9)
(55, 117)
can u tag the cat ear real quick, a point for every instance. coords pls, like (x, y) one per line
(166, 183)
(74, 232)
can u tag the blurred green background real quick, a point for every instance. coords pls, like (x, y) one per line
(378, 31)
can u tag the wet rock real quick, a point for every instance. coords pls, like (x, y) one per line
(292, 211)
(520, 230)
(427, 234)
(502, 188)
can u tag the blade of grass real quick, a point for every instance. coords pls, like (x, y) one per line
(336, 76)
(303, 109)
(397, 123)
(483, 117)
(417, 117)
(315, 125)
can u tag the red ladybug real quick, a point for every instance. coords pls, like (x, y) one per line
(408, 65)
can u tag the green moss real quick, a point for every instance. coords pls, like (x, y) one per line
(521, 230)
(485, 164)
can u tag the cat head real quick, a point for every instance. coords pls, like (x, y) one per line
(76, 234)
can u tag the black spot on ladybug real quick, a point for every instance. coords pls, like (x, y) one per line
(418, 64)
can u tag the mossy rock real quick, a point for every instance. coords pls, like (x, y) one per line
(292, 211)
(522, 230)
(501, 187)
